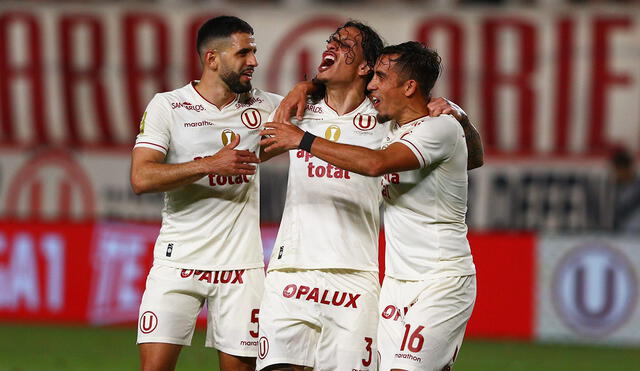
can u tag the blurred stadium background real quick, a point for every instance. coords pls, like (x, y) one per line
(554, 215)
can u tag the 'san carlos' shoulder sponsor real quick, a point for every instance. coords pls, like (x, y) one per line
(188, 106)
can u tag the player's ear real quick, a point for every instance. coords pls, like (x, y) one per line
(211, 59)
(364, 69)
(410, 87)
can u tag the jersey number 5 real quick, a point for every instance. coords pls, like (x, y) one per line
(254, 319)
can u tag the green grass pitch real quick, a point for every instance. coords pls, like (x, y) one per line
(30, 347)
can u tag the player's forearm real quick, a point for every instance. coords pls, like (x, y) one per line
(158, 177)
(475, 153)
(357, 159)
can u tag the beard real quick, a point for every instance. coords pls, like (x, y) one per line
(383, 118)
(232, 79)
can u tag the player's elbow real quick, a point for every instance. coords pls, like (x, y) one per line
(375, 167)
(138, 185)
(137, 188)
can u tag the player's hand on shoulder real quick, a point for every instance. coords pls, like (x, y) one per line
(442, 106)
(279, 136)
(294, 103)
(231, 161)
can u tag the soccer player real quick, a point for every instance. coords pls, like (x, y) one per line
(197, 144)
(429, 288)
(321, 292)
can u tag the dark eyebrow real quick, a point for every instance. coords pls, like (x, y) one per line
(247, 50)
(335, 39)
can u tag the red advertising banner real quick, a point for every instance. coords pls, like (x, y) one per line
(45, 271)
(64, 272)
(94, 273)
(505, 268)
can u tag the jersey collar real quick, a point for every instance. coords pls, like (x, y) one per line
(204, 100)
(366, 103)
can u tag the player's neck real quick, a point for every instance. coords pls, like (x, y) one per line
(344, 99)
(215, 92)
(412, 111)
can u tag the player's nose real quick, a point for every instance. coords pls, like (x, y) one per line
(332, 45)
(252, 61)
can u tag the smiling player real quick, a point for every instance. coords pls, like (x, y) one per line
(429, 288)
(321, 292)
(198, 145)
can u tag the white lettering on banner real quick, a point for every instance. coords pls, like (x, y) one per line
(53, 251)
(117, 260)
(22, 274)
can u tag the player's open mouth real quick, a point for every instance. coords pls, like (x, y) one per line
(328, 59)
(375, 101)
(248, 74)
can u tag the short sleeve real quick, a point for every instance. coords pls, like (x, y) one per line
(433, 140)
(271, 101)
(275, 100)
(154, 126)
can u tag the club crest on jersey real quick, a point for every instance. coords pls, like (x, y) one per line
(365, 122)
(251, 118)
(227, 136)
(332, 133)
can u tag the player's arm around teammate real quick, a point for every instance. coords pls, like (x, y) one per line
(475, 152)
(281, 137)
(294, 104)
(434, 296)
(287, 138)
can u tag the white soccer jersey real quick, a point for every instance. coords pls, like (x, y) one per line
(331, 216)
(425, 209)
(212, 224)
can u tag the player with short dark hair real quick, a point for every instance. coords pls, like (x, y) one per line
(198, 144)
(429, 289)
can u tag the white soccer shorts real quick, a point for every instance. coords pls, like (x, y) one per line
(174, 297)
(422, 323)
(325, 319)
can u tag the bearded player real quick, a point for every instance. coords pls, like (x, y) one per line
(197, 144)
